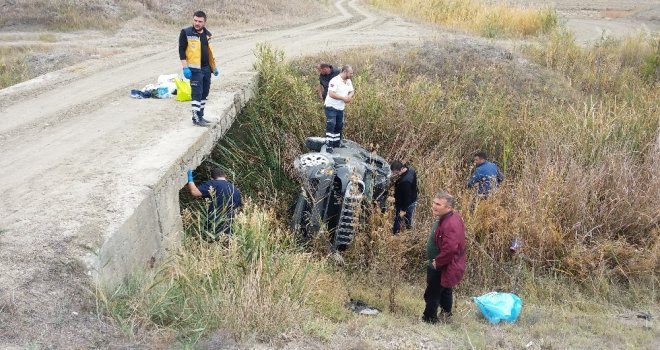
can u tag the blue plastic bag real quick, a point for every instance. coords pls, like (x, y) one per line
(498, 307)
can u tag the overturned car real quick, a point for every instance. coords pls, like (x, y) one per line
(335, 187)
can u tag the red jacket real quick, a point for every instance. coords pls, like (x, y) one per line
(450, 241)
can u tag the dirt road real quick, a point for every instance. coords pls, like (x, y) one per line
(78, 154)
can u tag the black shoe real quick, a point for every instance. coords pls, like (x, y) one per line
(430, 320)
(199, 121)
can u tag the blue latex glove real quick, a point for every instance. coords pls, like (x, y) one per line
(216, 71)
(187, 73)
(190, 177)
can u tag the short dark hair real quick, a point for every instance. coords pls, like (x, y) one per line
(200, 13)
(325, 65)
(217, 172)
(396, 165)
(481, 154)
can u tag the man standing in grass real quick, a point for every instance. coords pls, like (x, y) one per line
(340, 92)
(326, 73)
(198, 61)
(445, 250)
(225, 202)
(486, 174)
(405, 195)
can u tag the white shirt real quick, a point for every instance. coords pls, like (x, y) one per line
(341, 88)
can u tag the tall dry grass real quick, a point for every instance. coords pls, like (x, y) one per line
(476, 16)
(255, 283)
(13, 65)
(582, 187)
(67, 15)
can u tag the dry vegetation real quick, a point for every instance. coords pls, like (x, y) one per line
(581, 192)
(489, 20)
(102, 14)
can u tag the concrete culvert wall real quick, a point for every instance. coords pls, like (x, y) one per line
(155, 227)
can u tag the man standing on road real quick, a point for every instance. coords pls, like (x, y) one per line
(445, 250)
(198, 62)
(225, 202)
(405, 195)
(326, 73)
(486, 174)
(340, 92)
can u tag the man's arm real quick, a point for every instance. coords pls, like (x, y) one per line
(191, 185)
(337, 97)
(320, 91)
(183, 45)
(194, 190)
(474, 179)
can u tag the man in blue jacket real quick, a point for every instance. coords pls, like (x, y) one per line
(486, 175)
(225, 200)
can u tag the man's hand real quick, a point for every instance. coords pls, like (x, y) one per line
(190, 176)
(433, 264)
(402, 213)
(216, 71)
(187, 73)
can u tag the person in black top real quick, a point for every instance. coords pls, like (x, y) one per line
(198, 61)
(326, 73)
(225, 200)
(405, 195)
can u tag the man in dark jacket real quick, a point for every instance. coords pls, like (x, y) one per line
(225, 199)
(405, 195)
(486, 174)
(445, 250)
(198, 61)
(326, 73)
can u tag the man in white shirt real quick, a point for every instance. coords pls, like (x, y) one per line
(340, 92)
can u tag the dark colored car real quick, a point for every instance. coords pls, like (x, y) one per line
(335, 188)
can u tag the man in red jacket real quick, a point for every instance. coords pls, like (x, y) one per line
(446, 253)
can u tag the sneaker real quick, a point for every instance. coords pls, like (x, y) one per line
(199, 121)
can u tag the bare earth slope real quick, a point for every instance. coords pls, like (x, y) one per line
(77, 155)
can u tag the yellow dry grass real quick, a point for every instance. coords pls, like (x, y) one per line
(476, 16)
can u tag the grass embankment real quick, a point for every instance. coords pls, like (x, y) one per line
(13, 65)
(578, 148)
(66, 15)
(476, 16)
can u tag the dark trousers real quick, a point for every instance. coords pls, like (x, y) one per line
(407, 219)
(436, 295)
(334, 124)
(200, 85)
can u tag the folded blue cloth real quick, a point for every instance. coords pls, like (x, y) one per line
(140, 94)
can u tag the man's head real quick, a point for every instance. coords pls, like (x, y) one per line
(324, 68)
(397, 167)
(217, 173)
(347, 72)
(199, 20)
(443, 203)
(480, 157)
